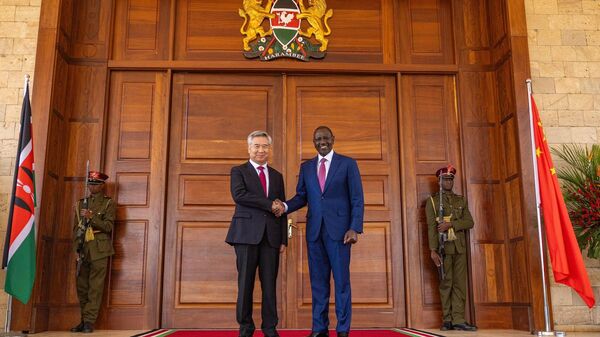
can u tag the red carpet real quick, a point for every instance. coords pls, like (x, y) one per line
(285, 333)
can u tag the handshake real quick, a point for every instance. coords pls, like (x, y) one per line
(278, 208)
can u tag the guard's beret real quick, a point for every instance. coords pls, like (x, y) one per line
(96, 178)
(446, 172)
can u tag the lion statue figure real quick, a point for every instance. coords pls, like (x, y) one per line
(317, 17)
(254, 15)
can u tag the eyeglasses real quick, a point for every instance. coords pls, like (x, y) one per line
(264, 147)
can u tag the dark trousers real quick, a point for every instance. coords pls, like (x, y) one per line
(248, 259)
(90, 285)
(327, 256)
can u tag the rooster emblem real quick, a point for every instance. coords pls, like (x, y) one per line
(285, 17)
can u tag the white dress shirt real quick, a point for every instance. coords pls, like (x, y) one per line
(329, 156)
(266, 171)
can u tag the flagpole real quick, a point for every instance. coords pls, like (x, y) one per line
(8, 314)
(538, 204)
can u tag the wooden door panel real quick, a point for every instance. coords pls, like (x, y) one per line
(222, 108)
(141, 29)
(426, 100)
(370, 270)
(200, 249)
(428, 34)
(361, 111)
(211, 118)
(128, 279)
(135, 160)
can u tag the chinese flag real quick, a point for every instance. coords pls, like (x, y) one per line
(565, 256)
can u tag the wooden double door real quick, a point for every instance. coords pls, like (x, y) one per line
(211, 116)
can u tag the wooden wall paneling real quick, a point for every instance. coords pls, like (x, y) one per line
(520, 71)
(499, 39)
(141, 30)
(472, 27)
(136, 162)
(89, 37)
(362, 31)
(220, 40)
(361, 111)
(429, 140)
(212, 114)
(83, 114)
(426, 32)
(489, 250)
(87, 83)
(358, 31)
(522, 283)
(496, 15)
(494, 175)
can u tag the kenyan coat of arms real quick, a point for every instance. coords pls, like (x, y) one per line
(285, 36)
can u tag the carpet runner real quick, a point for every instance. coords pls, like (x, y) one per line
(285, 333)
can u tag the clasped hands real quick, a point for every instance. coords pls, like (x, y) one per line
(278, 208)
(86, 213)
(443, 226)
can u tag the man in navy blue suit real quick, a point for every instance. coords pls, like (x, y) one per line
(330, 183)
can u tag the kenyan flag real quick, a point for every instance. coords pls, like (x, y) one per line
(285, 24)
(19, 248)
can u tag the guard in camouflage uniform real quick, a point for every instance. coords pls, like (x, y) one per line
(456, 221)
(97, 247)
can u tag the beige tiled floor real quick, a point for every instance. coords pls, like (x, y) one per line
(482, 333)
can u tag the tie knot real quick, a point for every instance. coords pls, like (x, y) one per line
(323, 160)
(260, 168)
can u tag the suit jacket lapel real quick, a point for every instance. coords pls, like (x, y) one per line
(271, 175)
(335, 163)
(311, 175)
(254, 175)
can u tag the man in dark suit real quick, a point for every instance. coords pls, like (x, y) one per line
(257, 235)
(330, 183)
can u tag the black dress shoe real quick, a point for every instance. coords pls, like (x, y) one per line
(77, 328)
(88, 327)
(446, 326)
(464, 327)
(319, 334)
(343, 334)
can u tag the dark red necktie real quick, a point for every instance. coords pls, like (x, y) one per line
(263, 179)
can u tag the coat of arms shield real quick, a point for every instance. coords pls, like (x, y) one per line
(286, 36)
(285, 24)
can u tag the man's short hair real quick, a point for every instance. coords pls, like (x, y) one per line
(259, 133)
(322, 127)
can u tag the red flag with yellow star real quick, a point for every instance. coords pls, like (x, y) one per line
(565, 256)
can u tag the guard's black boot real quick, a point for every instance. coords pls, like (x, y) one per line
(78, 327)
(88, 327)
(464, 327)
(446, 326)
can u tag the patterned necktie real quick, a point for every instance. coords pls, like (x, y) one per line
(322, 174)
(263, 179)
